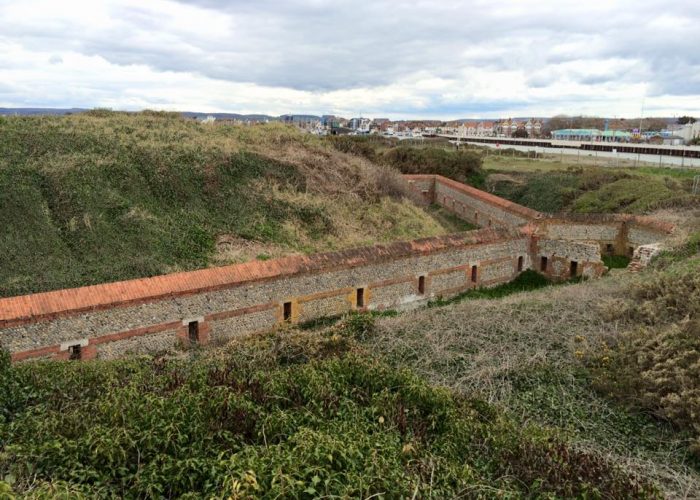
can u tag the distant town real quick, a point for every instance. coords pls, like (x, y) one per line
(671, 131)
(666, 131)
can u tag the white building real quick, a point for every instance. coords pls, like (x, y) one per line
(689, 131)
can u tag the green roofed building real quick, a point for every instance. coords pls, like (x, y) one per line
(576, 134)
(591, 134)
(616, 136)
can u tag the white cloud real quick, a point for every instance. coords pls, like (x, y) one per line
(433, 59)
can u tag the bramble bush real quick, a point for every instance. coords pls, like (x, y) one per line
(290, 414)
(655, 367)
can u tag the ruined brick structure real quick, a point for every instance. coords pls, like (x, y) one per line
(214, 305)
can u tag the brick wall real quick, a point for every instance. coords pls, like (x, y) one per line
(471, 204)
(140, 315)
(617, 234)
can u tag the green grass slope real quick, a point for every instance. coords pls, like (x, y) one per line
(552, 187)
(106, 196)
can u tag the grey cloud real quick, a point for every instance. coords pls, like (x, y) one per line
(325, 45)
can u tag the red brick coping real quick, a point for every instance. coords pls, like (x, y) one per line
(492, 199)
(49, 305)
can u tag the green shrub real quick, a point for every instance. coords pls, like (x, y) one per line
(462, 166)
(545, 192)
(657, 369)
(596, 190)
(615, 261)
(633, 195)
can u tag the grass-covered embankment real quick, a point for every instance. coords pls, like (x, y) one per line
(105, 196)
(555, 187)
(294, 415)
(461, 165)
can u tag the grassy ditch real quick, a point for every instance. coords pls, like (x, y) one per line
(609, 364)
(526, 281)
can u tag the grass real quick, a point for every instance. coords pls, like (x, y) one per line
(551, 187)
(524, 162)
(615, 261)
(105, 196)
(525, 281)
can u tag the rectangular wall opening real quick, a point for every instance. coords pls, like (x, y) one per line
(543, 264)
(287, 311)
(609, 249)
(573, 268)
(520, 263)
(421, 285)
(75, 352)
(475, 273)
(360, 297)
(476, 217)
(193, 331)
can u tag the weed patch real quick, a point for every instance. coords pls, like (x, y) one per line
(615, 261)
(526, 281)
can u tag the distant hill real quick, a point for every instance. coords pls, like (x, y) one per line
(40, 111)
(186, 114)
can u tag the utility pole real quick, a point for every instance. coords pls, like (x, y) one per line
(641, 119)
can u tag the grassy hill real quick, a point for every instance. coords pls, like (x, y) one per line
(105, 196)
(552, 186)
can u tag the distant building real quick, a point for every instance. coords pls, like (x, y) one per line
(591, 135)
(474, 129)
(689, 131)
(576, 134)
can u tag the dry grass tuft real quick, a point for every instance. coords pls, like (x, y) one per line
(473, 346)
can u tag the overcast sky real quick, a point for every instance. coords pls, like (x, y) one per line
(456, 59)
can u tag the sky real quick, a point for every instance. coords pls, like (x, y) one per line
(394, 59)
